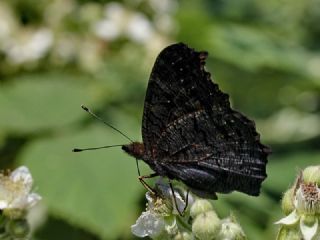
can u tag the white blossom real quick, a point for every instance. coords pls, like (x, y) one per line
(139, 28)
(231, 230)
(163, 6)
(148, 224)
(161, 212)
(30, 46)
(307, 207)
(119, 21)
(15, 190)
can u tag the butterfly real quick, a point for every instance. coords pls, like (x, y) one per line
(190, 132)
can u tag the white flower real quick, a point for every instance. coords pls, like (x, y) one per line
(111, 26)
(30, 46)
(139, 28)
(160, 216)
(15, 190)
(307, 209)
(231, 230)
(106, 29)
(148, 224)
(120, 21)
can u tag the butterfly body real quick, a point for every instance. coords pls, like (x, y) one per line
(190, 133)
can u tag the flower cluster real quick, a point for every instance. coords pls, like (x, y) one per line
(26, 45)
(16, 198)
(301, 204)
(163, 219)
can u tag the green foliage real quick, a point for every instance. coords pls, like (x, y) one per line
(35, 103)
(85, 189)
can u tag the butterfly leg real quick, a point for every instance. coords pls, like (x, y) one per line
(146, 185)
(175, 200)
(187, 201)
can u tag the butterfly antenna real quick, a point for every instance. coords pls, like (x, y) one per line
(101, 120)
(94, 148)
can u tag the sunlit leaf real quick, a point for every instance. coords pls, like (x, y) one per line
(97, 190)
(34, 103)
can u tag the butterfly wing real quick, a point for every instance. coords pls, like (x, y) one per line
(211, 155)
(178, 85)
(192, 134)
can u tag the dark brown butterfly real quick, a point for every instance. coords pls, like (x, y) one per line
(190, 133)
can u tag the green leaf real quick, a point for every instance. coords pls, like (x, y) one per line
(95, 190)
(40, 102)
(232, 41)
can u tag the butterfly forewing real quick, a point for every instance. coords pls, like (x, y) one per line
(178, 85)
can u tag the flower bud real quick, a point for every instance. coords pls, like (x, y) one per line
(18, 228)
(206, 226)
(303, 221)
(311, 175)
(183, 236)
(230, 229)
(14, 213)
(287, 201)
(288, 233)
(200, 206)
(308, 220)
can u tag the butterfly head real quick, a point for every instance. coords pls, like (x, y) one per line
(134, 149)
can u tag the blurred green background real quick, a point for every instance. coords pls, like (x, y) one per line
(58, 54)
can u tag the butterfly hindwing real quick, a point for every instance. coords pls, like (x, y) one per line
(198, 146)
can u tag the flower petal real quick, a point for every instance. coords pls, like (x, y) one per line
(167, 192)
(3, 204)
(4, 193)
(150, 199)
(308, 231)
(291, 219)
(180, 204)
(171, 226)
(19, 202)
(148, 224)
(32, 199)
(22, 174)
(25, 201)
